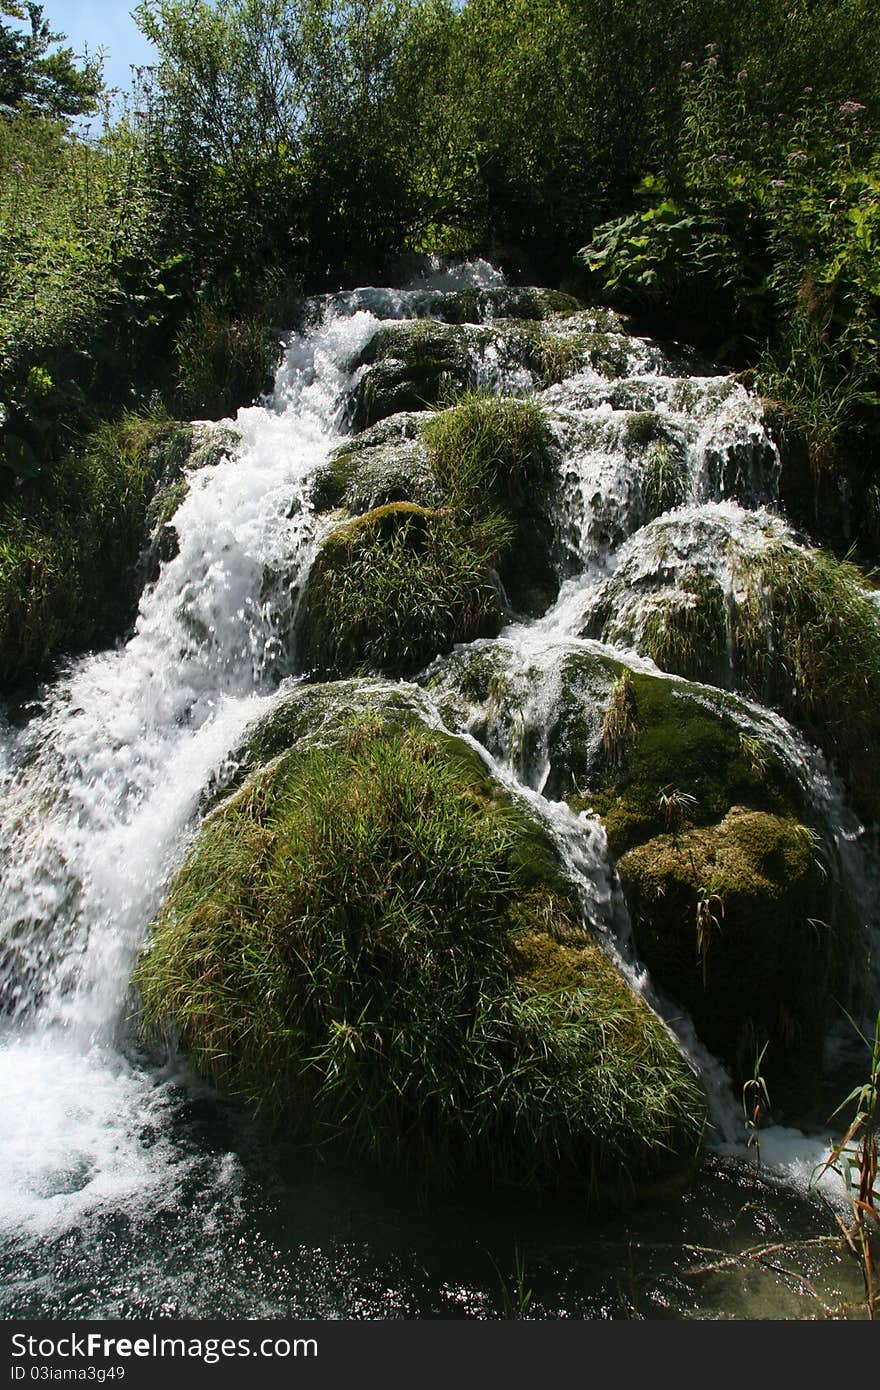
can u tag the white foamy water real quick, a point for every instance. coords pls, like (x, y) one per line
(100, 790)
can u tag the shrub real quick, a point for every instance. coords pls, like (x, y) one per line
(69, 542)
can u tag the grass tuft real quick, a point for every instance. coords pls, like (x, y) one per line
(391, 589)
(371, 937)
(490, 451)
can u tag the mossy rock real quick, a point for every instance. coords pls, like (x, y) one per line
(412, 366)
(370, 938)
(393, 588)
(488, 466)
(492, 453)
(422, 363)
(664, 763)
(475, 305)
(208, 444)
(383, 464)
(734, 919)
(317, 714)
(634, 747)
(658, 752)
(739, 603)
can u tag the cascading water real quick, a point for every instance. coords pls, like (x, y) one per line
(125, 1187)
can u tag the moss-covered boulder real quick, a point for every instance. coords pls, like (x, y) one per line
(393, 588)
(643, 751)
(385, 463)
(421, 363)
(729, 597)
(687, 781)
(495, 454)
(370, 937)
(736, 920)
(476, 304)
(413, 365)
(489, 464)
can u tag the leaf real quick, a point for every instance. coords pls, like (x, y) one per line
(20, 456)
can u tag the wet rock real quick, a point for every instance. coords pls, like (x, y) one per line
(730, 597)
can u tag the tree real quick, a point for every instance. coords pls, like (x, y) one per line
(32, 77)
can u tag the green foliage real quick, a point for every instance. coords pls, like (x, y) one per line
(84, 296)
(223, 362)
(68, 544)
(369, 937)
(34, 78)
(768, 211)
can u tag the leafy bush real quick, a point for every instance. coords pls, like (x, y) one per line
(69, 542)
(769, 215)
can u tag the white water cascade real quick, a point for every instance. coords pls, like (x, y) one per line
(100, 787)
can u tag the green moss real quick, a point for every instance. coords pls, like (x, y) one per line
(807, 641)
(387, 463)
(366, 937)
(411, 366)
(558, 357)
(733, 921)
(534, 303)
(393, 588)
(677, 743)
(69, 542)
(491, 453)
(609, 354)
(795, 631)
(643, 427)
(489, 450)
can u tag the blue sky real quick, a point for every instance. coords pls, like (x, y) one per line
(102, 24)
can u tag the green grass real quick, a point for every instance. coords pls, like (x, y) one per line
(223, 362)
(807, 640)
(491, 451)
(68, 542)
(393, 588)
(491, 455)
(686, 629)
(665, 478)
(368, 936)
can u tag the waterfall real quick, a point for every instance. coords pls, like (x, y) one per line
(100, 786)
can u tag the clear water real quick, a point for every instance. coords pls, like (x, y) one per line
(127, 1188)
